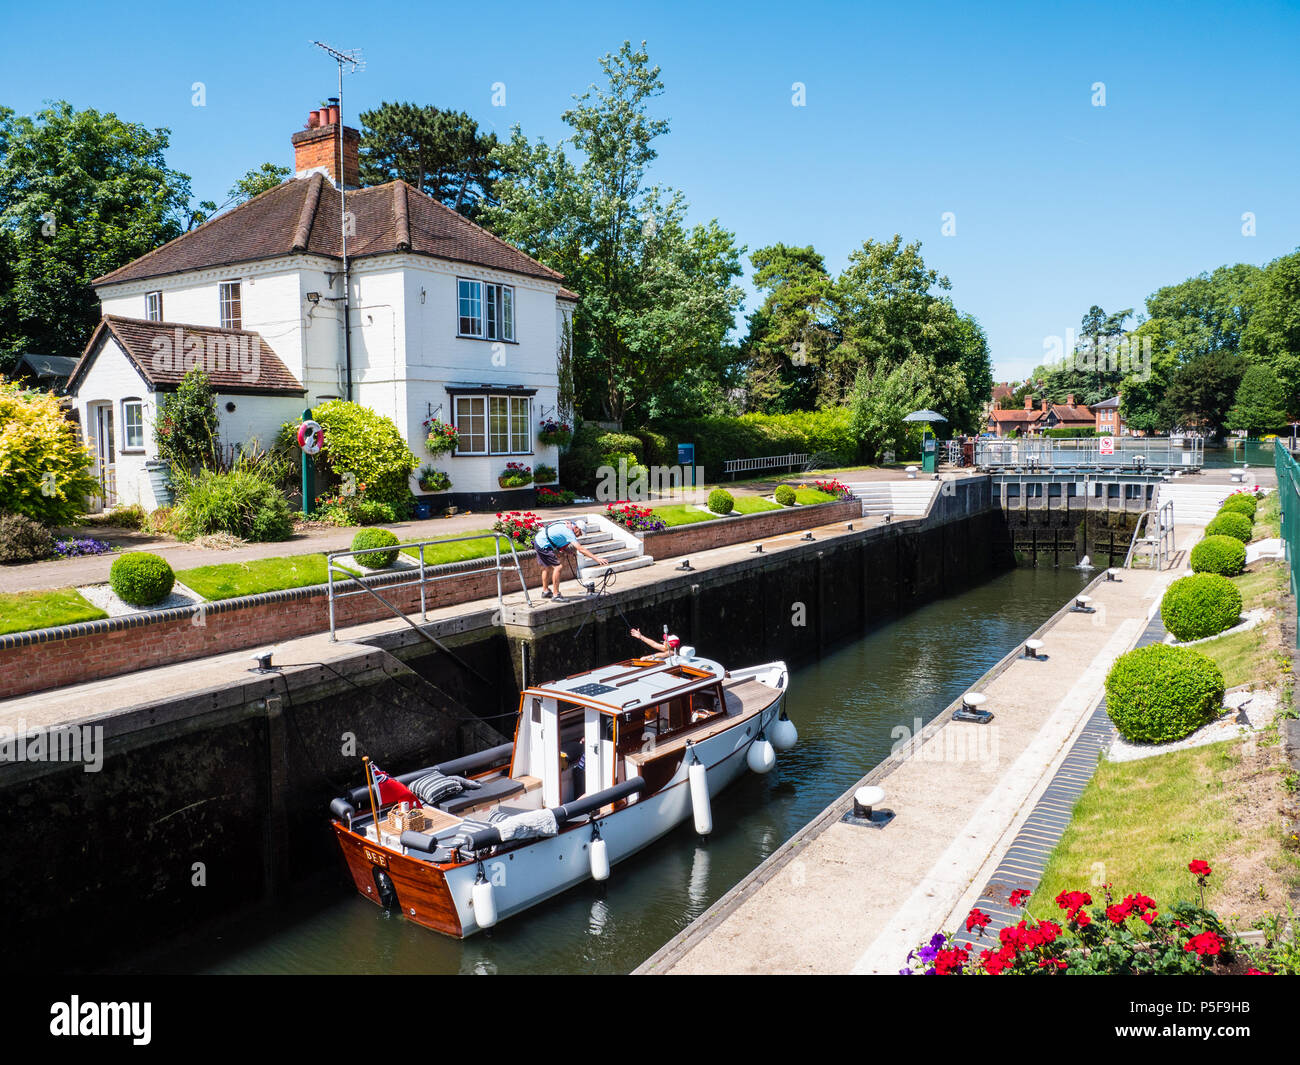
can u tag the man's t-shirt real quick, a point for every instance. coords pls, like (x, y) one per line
(556, 536)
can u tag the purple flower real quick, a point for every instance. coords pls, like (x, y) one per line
(928, 954)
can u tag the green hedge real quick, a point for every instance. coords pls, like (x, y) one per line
(824, 435)
(1160, 694)
(1200, 606)
(141, 579)
(1229, 523)
(1225, 555)
(1240, 503)
(368, 538)
(1071, 434)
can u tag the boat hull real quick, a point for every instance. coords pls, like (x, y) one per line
(442, 897)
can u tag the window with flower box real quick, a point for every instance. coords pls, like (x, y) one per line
(494, 425)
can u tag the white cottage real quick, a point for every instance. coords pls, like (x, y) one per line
(444, 320)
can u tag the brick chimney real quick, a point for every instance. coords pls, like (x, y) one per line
(1029, 403)
(316, 148)
(1069, 400)
(1044, 405)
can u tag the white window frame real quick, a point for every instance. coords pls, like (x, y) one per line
(129, 443)
(152, 312)
(518, 435)
(230, 294)
(495, 303)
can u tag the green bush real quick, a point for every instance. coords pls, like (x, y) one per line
(721, 501)
(1240, 503)
(655, 449)
(1225, 555)
(44, 468)
(185, 430)
(1159, 693)
(239, 502)
(141, 579)
(784, 495)
(369, 448)
(367, 538)
(1229, 523)
(618, 442)
(1200, 606)
(1062, 433)
(24, 540)
(824, 435)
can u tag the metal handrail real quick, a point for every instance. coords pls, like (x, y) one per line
(766, 462)
(424, 577)
(1164, 538)
(1142, 454)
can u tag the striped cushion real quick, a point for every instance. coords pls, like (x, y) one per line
(435, 787)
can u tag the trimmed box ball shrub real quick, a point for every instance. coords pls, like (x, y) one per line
(1200, 606)
(141, 579)
(1159, 693)
(368, 538)
(1219, 554)
(1240, 503)
(784, 495)
(721, 501)
(1228, 523)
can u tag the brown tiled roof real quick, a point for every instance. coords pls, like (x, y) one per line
(1016, 414)
(1000, 391)
(566, 294)
(302, 217)
(1078, 413)
(248, 367)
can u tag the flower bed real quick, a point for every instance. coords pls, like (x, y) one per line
(634, 518)
(520, 525)
(834, 489)
(1132, 936)
(554, 497)
(81, 547)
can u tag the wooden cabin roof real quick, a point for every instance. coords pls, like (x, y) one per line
(630, 684)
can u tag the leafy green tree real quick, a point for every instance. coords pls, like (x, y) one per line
(186, 427)
(257, 181)
(884, 394)
(1142, 392)
(792, 333)
(44, 468)
(438, 152)
(1260, 402)
(1202, 390)
(1272, 335)
(657, 297)
(81, 194)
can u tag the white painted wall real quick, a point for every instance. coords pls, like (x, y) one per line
(113, 378)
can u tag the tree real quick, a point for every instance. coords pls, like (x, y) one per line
(81, 194)
(441, 153)
(1142, 392)
(883, 395)
(1272, 335)
(792, 333)
(257, 181)
(1202, 390)
(1260, 403)
(44, 467)
(657, 297)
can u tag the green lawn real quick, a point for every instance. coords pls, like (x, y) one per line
(24, 611)
(806, 496)
(231, 579)
(681, 514)
(755, 505)
(1138, 824)
(1253, 656)
(441, 554)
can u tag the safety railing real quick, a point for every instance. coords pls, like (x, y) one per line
(1139, 454)
(1288, 493)
(1161, 542)
(421, 573)
(766, 462)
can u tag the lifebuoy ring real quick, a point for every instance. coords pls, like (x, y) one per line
(311, 437)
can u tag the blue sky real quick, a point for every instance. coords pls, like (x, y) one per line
(912, 110)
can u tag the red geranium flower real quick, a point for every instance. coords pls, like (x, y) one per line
(976, 919)
(1018, 896)
(1207, 943)
(1199, 868)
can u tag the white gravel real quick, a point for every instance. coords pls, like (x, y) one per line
(1260, 706)
(103, 596)
(1249, 620)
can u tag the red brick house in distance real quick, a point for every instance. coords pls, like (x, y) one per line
(1033, 421)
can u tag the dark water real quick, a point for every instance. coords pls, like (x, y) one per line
(1251, 452)
(845, 707)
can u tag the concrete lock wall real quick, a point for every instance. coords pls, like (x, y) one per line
(211, 805)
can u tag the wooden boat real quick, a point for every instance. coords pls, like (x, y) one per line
(603, 763)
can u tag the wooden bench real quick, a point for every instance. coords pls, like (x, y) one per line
(767, 462)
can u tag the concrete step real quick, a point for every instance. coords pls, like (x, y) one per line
(632, 561)
(617, 554)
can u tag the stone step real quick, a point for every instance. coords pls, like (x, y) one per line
(632, 561)
(617, 554)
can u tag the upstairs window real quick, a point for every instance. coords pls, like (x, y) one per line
(232, 315)
(485, 310)
(153, 306)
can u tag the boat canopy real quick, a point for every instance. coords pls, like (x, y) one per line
(630, 684)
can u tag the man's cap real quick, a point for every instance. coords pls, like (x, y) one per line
(674, 642)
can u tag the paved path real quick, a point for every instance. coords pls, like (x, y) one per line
(841, 898)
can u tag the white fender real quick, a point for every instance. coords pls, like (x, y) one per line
(784, 734)
(761, 757)
(485, 905)
(599, 860)
(700, 798)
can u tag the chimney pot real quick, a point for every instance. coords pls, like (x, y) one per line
(333, 113)
(313, 120)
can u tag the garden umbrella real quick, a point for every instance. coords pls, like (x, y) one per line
(925, 416)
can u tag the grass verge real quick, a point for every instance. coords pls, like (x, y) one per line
(441, 554)
(25, 611)
(229, 580)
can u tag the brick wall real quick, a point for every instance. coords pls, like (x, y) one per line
(319, 147)
(701, 536)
